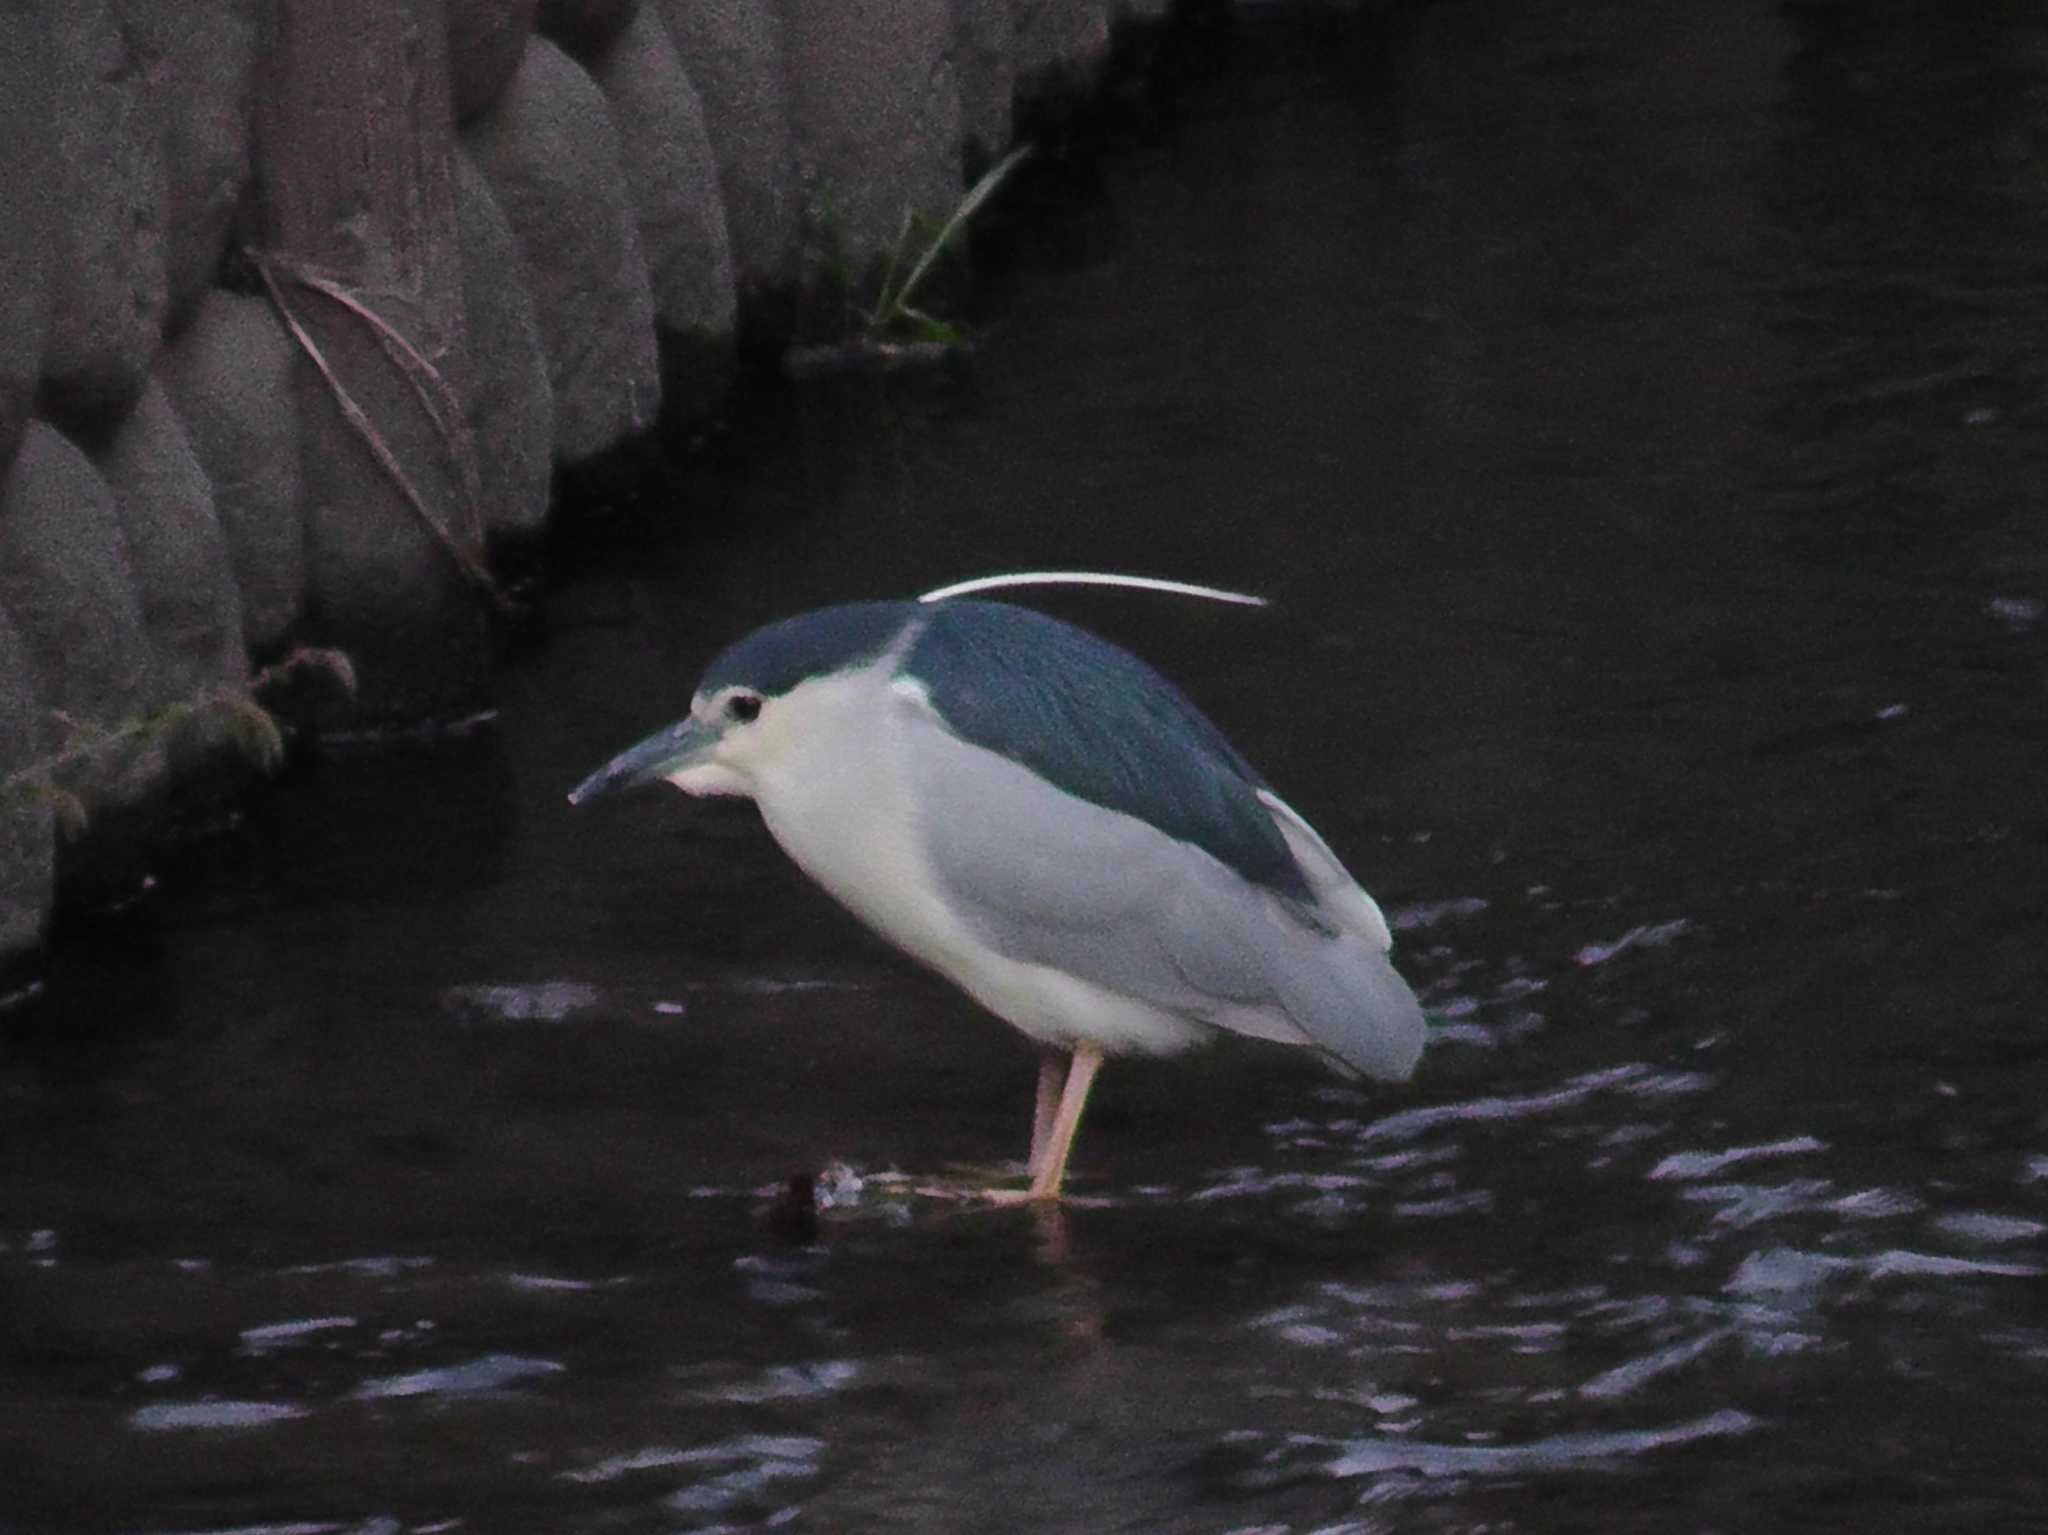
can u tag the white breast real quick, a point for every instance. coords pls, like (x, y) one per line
(845, 814)
(835, 796)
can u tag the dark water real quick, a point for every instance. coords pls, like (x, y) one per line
(1636, 413)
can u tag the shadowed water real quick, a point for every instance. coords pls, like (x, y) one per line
(1635, 414)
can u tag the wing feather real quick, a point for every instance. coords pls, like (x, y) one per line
(1337, 894)
(1049, 879)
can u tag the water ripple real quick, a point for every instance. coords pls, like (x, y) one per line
(815, 1378)
(276, 1335)
(1786, 1271)
(1986, 1229)
(212, 1414)
(1702, 1164)
(1627, 1379)
(1747, 1204)
(493, 1372)
(766, 1459)
(1632, 1076)
(1649, 935)
(757, 1447)
(1429, 913)
(1379, 1454)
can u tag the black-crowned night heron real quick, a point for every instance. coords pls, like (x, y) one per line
(1043, 819)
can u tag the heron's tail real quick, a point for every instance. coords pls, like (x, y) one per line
(1358, 1011)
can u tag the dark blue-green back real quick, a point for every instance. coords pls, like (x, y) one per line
(1103, 726)
(1082, 713)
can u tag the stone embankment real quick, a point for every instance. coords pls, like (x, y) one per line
(301, 307)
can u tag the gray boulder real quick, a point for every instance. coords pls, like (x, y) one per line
(672, 177)
(876, 99)
(732, 50)
(384, 586)
(109, 289)
(198, 61)
(191, 609)
(551, 155)
(229, 380)
(504, 386)
(68, 583)
(27, 212)
(987, 44)
(27, 842)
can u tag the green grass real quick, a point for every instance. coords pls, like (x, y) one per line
(233, 715)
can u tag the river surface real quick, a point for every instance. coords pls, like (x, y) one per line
(1635, 412)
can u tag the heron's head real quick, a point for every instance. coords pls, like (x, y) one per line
(750, 706)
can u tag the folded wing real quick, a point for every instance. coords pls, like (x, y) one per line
(1044, 877)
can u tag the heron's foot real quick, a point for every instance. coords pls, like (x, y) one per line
(839, 1193)
(1003, 1185)
(975, 1182)
(958, 1184)
(1014, 1186)
(1008, 1198)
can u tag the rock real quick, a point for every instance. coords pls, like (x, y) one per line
(356, 201)
(505, 385)
(229, 379)
(672, 177)
(191, 608)
(486, 40)
(198, 60)
(384, 587)
(383, 579)
(551, 155)
(27, 212)
(987, 43)
(732, 50)
(109, 285)
(27, 838)
(67, 581)
(876, 103)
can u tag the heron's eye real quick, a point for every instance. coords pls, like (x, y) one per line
(744, 707)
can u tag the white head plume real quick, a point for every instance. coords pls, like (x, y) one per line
(1089, 578)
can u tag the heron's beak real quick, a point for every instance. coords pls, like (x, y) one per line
(681, 746)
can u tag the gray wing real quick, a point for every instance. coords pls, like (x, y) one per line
(1047, 878)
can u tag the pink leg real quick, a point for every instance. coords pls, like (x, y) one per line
(1051, 1170)
(1052, 1071)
